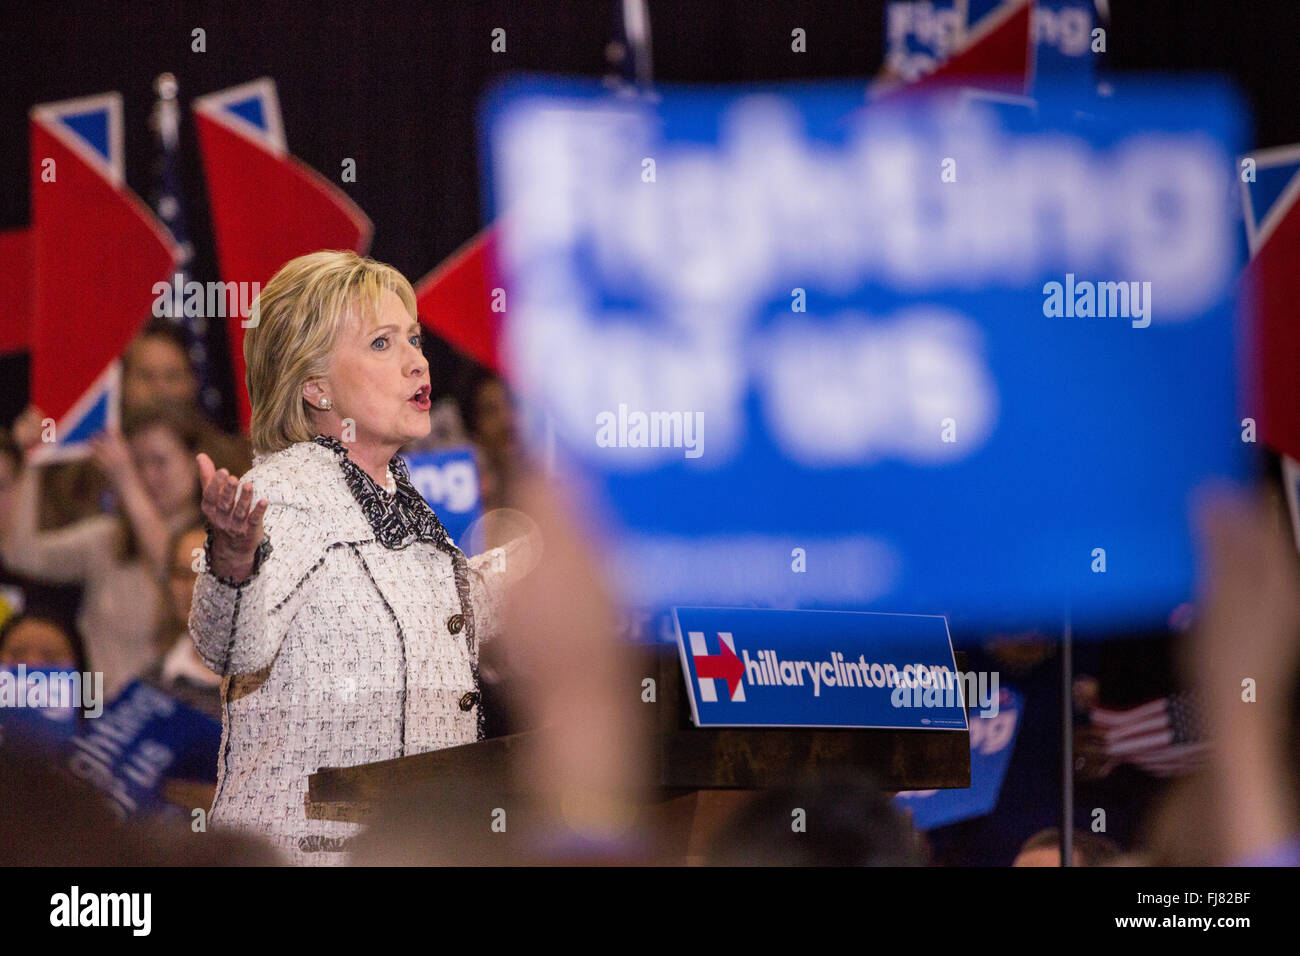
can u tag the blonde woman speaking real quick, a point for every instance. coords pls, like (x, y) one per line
(344, 621)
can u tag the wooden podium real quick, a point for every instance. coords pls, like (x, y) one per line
(697, 775)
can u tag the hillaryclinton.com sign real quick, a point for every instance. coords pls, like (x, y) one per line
(797, 343)
(763, 668)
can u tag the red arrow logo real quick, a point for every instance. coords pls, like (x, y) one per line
(725, 665)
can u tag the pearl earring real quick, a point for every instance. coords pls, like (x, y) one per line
(325, 403)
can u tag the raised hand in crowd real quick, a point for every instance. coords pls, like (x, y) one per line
(1243, 658)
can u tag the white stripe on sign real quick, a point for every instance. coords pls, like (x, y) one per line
(707, 692)
(700, 649)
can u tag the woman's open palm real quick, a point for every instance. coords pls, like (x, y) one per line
(235, 519)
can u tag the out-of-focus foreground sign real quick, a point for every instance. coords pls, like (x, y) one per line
(940, 355)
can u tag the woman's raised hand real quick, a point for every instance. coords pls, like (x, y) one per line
(111, 454)
(235, 520)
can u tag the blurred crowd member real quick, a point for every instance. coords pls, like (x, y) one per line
(491, 421)
(119, 558)
(179, 671)
(38, 643)
(48, 817)
(156, 370)
(847, 821)
(1242, 659)
(1088, 849)
(19, 593)
(447, 429)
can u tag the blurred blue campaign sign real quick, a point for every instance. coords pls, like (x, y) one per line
(926, 355)
(143, 738)
(1068, 42)
(749, 667)
(992, 742)
(127, 749)
(448, 480)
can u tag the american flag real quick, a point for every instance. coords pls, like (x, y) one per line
(167, 204)
(1165, 737)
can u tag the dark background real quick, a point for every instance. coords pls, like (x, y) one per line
(395, 86)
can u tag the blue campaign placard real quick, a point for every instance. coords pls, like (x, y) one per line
(992, 742)
(749, 667)
(126, 748)
(930, 355)
(448, 480)
(921, 34)
(143, 738)
(1066, 49)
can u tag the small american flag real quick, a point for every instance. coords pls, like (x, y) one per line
(1165, 737)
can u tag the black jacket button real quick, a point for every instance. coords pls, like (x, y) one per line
(456, 623)
(469, 700)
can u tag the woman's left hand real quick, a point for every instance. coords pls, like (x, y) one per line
(112, 456)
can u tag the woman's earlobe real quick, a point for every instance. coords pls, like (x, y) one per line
(322, 402)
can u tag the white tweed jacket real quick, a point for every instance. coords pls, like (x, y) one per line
(354, 640)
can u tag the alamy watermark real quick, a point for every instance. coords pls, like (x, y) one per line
(74, 908)
(207, 299)
(1085, 300)
(52, 690)
(636, 429)
(945, 688)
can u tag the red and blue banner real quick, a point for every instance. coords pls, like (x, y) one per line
(456, 300)
(96, 251)
(15, 290)
(267, 207)
(1270, 192)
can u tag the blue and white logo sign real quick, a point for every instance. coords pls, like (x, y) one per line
(992, 743)
(925, 355)
(746, 667)
(448, 480)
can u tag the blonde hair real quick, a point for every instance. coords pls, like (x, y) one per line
(296, 322)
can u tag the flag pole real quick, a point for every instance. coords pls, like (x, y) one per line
(629, 54)
(1067, 743)
(636, 29)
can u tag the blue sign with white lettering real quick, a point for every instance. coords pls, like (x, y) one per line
(992, 742)
(448, 480)
(746, 667)
(930, 355)
(127, 749)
